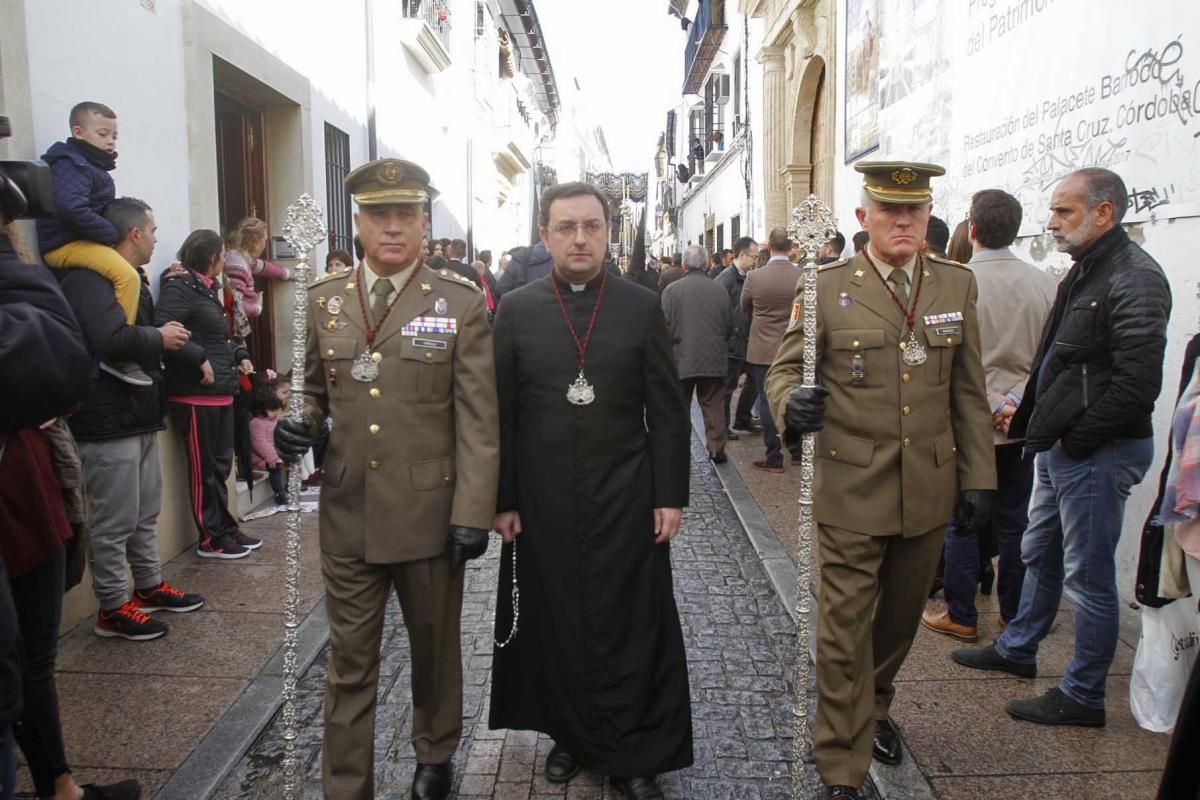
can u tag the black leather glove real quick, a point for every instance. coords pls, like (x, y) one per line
(804, 413)
(293, 438)
(463, 544)
(973, 514)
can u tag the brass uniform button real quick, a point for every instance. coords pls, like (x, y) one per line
(949, 340)
(329, 352)
(906, 377)
(428, 356)
(375, 393)
(377, 357)
(445, 478)
(953, 449)
(374, 465)
(907, 441)
(854, 344)
(374, 429)
(906, 410)
(833, 453)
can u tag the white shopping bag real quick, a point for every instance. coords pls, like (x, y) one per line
(1165, 654)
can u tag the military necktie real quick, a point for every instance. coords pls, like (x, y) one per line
(379, 298)
(899, 279)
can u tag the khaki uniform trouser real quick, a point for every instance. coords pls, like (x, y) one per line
(431, 603)
(873, 589)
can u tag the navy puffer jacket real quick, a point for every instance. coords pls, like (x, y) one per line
(82, 188)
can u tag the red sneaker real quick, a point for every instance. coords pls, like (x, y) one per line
(166, 597)
(128, 622)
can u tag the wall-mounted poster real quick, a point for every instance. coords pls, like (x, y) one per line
(862, 77)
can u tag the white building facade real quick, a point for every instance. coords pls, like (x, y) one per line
(229, 108)
(709, 188)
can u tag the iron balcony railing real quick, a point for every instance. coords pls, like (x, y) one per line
(704, 40)
(435, 13)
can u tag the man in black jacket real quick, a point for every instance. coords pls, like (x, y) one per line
(1086, 413)
(458, 262)
(745, 258)
(117, 431)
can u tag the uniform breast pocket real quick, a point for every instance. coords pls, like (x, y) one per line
(429, 366)
(337, 358)
(860, 356)
(942, 344)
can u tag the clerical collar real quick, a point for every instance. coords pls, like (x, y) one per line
(885, 269)
(578, 287)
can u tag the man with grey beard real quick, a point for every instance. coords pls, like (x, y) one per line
(1086, 413)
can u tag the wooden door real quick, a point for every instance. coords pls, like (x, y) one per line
(242, 191)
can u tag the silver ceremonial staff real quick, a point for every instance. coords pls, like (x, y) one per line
(304, 229)
(812, 225)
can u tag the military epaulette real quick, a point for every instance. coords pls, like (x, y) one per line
(454, 277)
(946, 261)
(839, 263)
(332, 276)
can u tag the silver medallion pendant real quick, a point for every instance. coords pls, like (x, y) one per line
(580, 393)
(365, 370)
(914, 354)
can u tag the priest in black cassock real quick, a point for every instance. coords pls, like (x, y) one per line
(594, 476)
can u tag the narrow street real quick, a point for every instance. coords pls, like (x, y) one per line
(740, 647)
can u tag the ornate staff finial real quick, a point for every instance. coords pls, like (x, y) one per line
(304, 228)
(812, 225)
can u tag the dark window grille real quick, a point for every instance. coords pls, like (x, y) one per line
(337, 199)
(735, 228)
(720, 239)
(436, 14)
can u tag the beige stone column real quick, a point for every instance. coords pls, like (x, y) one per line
(776, 130)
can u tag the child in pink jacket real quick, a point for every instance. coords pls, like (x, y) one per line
(268, 408)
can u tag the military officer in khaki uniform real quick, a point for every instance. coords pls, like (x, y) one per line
(905, 431)
(400, 357)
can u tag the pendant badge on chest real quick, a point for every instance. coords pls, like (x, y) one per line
(365, 369)
(580, 392)
(913, 353)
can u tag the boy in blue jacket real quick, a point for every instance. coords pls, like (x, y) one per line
(78, 235)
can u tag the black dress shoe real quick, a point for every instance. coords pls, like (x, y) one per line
(561, 766)
(718, 457)
(986, 578)
(643, 788)
(842, 793)
(988, 658)
(886, 746)
(731, 436)
(1055, 708)
(431, 782)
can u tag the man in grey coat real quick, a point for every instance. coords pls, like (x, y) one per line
(701, 324)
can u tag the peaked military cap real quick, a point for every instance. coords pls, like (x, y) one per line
(386, 181)
(901, 182)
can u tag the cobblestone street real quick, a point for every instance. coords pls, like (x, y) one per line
(740, 644)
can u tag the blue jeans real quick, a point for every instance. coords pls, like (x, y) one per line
(1071, 541)
(770, 432)
(1010, 515)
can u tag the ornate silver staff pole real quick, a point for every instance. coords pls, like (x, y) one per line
(812, 226)
(304, 230)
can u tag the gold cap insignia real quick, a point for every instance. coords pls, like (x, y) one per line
(904, 176)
